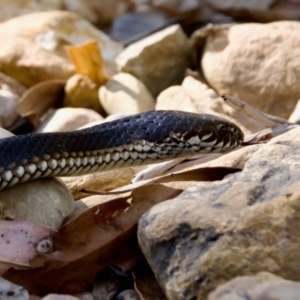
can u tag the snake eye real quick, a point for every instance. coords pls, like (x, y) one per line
(221, 129)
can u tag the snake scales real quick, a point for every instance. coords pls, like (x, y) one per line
(139, 139)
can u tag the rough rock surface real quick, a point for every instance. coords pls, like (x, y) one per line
(67, 119)
(262, 286)
(258, 63)
(159, 60)
(244, 224)
(124, 93)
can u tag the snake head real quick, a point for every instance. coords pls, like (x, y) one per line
(227, 135)
(207, 133)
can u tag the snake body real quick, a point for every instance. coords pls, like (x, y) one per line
(140, 139)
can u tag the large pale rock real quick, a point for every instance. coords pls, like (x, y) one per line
(32, 46)
(68, 119)
(124, 93)
(215, 231)
(159, 60)
(263, 286)
(258, 63)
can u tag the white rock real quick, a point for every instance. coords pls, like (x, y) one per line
(124, 93)
(68, 119)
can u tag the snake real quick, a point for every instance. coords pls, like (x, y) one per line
(140, 139)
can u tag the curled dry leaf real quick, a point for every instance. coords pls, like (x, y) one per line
(105, 218)
(88, 61)
(39, 98)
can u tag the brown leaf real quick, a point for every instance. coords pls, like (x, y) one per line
(88, 60)
(39, 98)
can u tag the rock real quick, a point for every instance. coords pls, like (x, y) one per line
(45, 201)
(24, 7)
(81, 91)
(159, 60)
(8, 104)
(240, 61)
(59, 297)
(263, 286)
(11, 291)
(215, 231)
(99, 12)
(68, 119)
(32, 48)
(124, 93)
(195, 96)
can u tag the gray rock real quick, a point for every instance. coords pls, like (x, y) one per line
(215, 231)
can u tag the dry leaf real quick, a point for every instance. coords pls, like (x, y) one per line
(39, 98)
(88, 61)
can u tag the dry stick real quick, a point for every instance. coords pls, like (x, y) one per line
(254, 113)
(277, 125)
